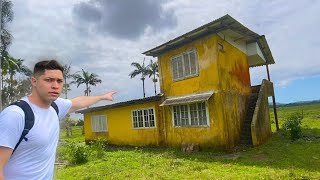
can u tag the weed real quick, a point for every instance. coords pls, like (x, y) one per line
(78, 153)
(98, 147)
(293, 125)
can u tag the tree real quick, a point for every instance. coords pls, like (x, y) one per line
(15, 80)
(87, 79)
(5, 36)
(67, 124)
(152, 70)
(140, 69)
(66, 74)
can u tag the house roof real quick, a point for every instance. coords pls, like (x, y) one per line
(190, 98)
(224, 23)
(120, 104)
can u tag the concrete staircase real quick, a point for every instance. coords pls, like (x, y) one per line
(245, 137)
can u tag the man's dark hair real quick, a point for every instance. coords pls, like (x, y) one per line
(42, 66)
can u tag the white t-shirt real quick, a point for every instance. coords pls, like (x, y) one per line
(33, 159)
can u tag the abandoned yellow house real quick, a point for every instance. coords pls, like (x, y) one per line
(206, 95)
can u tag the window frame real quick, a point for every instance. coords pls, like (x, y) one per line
(189, 116)
(95, 120)
(143, 118)
(184, 76)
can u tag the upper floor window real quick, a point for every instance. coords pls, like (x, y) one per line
(143, 118)
(184, 65)
(99, 123)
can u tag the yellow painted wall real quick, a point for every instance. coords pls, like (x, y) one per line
(234, 77)
(227, 73)
(208, 78)
(120, 128)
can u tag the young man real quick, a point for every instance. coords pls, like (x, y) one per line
(34, 158)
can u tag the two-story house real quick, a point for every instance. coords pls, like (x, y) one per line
(206, 95)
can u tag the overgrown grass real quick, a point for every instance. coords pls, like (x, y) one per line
(279, 158)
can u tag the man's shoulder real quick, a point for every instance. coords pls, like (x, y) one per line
(12, 109)
(10, 115)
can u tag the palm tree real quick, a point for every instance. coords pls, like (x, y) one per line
(140, 69)
(87, 79)
(5, 36)
(66, 74)
(13, 87)
(153, 71)
(10, 67)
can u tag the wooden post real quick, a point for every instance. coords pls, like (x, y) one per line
(273, 102)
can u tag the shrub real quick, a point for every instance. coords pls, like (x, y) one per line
(98, 147)
(293, 125)
(78, 153)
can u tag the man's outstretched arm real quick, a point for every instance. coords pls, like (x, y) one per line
(85, 101)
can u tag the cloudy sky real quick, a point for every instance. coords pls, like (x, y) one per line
(105, 36)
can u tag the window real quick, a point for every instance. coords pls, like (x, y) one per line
(143, 118)
(99, 123)
(184, 65)
(190, 114)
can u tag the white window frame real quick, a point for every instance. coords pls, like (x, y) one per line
(182, 62)
(144, 118)
(101, 120)
(189, 115)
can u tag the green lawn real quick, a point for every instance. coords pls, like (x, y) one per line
(279, 158)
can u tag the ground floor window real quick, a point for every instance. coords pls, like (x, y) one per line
(143, 118)
(99, 123)
(194, 114)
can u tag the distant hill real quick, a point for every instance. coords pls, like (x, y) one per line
(298, 103)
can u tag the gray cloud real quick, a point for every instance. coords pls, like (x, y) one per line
(123, 19)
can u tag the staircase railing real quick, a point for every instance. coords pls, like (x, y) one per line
(260, 125)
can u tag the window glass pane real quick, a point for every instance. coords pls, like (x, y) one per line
(186, 64)
(102, 120)
(151, 118)
(176, 115)
(146, 118)
(175, 68)
(180, 67)
(202, 114)
(193, 62)
(100, 125)
(135, 119)
(140, 119)
(135, 122)
(194, 114)
(184, 115)
(93, 123)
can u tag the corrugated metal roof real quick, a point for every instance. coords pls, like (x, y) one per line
(120, 104)
(190, 98)
(224, 23)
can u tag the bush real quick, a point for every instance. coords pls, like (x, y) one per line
(78, 153)
(98, 147)
(293, 125)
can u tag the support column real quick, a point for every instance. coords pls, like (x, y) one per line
(273, 102)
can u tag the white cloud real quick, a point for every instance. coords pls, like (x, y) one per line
(48, 29)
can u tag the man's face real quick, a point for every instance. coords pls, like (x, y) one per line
(49, 85)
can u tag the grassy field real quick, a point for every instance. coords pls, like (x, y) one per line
(279, 158)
